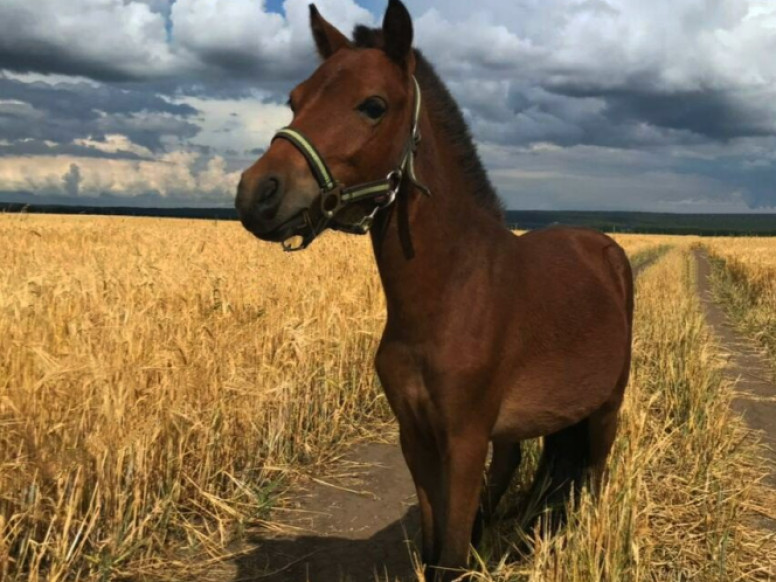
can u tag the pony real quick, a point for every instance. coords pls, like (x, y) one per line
(489, 337)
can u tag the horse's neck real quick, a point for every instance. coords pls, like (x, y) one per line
(424, 244)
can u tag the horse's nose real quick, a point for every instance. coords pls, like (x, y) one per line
(267, 197)
(260, 200)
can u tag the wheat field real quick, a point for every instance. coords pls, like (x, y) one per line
(154, 374)
(164, 381)
(745, 283)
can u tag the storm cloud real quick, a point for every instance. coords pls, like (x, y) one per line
(611, 104)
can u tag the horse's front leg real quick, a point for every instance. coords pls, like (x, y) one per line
(463, 464)
(424, 464)
(402, 379)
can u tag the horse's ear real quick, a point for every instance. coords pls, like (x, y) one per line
(328, 39)
(397, 33)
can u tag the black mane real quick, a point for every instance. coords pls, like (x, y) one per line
(446, 115)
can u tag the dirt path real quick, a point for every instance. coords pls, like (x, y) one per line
(348, 528)
(755, 394)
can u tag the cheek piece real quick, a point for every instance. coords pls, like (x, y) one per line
(334, 196)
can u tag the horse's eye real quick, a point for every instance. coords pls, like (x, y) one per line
(374, 108)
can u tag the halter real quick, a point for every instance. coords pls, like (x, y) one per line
(335, 197)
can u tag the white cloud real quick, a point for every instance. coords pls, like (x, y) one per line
(689, 45)
(172, 175)
(109, 39)
(237, 124)
(692, 44)
(97, 36)
(114, 143)
(474, 44)
(265, 42)
(241, 30)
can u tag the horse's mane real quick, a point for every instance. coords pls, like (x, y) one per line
(446, 115)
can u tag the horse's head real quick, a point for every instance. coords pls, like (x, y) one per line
(353, 118)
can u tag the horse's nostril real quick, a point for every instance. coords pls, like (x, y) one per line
(267, 197)
(267, 190)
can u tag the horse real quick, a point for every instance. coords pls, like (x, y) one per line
(490, 337)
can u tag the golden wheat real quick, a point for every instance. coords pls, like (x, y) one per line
(745, 282)
(635, 244)
(159, 378)
(163, 380)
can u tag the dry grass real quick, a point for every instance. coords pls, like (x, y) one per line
(159, 379)
(637, 244)
(162, 381)
(745, 283)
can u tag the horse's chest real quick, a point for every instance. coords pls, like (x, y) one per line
(425, 387)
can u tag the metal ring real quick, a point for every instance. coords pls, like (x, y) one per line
(395, 177)
(326, 207)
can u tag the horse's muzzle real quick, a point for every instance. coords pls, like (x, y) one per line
(258, 204)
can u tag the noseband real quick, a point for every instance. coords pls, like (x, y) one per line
(335, 197)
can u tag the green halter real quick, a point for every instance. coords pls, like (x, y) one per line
(334, 197)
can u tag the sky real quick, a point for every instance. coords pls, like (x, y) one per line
(666, 106)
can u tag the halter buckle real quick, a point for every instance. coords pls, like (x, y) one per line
(331, 201)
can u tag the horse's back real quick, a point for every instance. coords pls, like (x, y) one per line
(572, 252)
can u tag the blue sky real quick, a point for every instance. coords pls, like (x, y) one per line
(667, 105)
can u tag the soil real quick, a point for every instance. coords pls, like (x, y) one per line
(356, 526)
(750, 372)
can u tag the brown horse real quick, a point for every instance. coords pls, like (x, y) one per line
(490, 337)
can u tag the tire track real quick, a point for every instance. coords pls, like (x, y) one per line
(747, 369)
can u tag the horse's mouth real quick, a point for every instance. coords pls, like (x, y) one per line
(297, 225)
